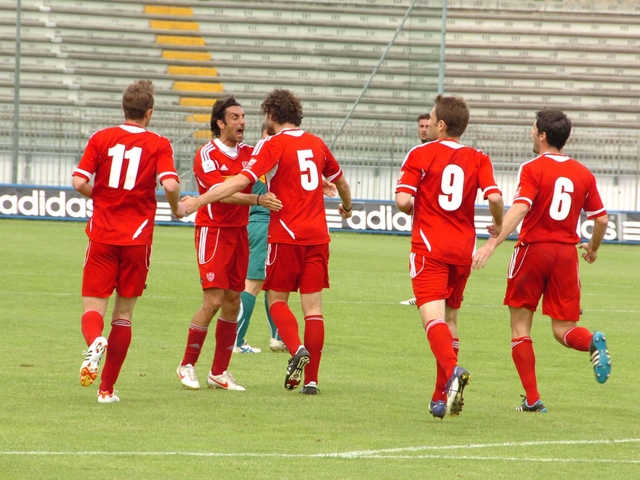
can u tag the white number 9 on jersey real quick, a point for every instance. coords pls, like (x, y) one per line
(309, 177)
(561, 201)
(452, 186)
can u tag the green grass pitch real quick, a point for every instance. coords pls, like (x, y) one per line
(376, 377)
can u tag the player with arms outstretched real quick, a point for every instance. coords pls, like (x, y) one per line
(552, 191)
(127, 161)
(222, 245)
(438, 184)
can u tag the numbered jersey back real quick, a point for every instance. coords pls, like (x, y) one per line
(126, 161)
(556, 188)
(294, 163)
(444, 177)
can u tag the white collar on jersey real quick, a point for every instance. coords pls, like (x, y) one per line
(231, 152)
(557, 158)
(294, 132)
(132, 128)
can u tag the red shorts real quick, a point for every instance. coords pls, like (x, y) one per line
(549, 269)
(293, 267)
(120, 267)
(223, 257)
(436, 280)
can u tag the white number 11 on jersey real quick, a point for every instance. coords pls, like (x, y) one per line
(118, 154)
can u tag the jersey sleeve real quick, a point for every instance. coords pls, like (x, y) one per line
(89, 161)
(206, 170)
(332, 170)
(263, 159)
(486, 179)
(166, 165)
(593, 205)
(409, 176)
(527, 186)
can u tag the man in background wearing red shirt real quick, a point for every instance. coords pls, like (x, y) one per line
(294, 162)
(126, 161)
(222, 245)
(438, 185)
(552, 191)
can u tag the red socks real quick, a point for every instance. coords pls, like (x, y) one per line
(525, 360)
(119, 341)
(92, 325)
(287, 325)
(195, 340)
(313, 342)
(578, 338)
(441, 343)
(226, 332)
(441, 377)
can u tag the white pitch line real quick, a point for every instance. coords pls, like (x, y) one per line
(377, 454)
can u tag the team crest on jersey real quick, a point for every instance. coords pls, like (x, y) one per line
(210, 276)
(249, 164)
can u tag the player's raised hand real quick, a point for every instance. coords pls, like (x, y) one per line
(190, 204)
(270, 201)
(328, 188)
(590, 255)
(494, 230)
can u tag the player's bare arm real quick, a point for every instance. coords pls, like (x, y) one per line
(224, 190)
(511, 220)
(345, 208)
(496, 207)
(82, 186)
(404, 202)
(591, 248)
(172, 194)
(266, 200)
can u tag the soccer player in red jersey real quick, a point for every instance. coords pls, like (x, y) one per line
(294, 162)
(222, 244)
(438, 184)
(127, 161)
(552, 191)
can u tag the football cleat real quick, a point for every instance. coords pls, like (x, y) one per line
(455, 387)
(224, 381)
(438, 409)
(295, 368)
(536, 407)
(411, 301)
(89, 368)
(106, 397)
(246, 348)
(187, 375)
(600, 357)
(310, 388)
(277, 345)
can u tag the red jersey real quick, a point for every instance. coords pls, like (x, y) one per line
(213, 163)
(444, 177)
(126, 161)
(556, 188)
(294, 162)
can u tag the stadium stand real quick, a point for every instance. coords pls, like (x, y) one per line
(506, 58)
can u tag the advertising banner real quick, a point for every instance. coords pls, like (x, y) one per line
(369, 216)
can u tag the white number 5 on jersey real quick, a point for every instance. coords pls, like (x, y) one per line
(309, 177)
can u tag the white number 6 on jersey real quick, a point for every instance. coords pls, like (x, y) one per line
(561, 201)
(309, 177)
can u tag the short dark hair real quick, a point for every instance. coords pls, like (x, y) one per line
(424, 116)
(219, 111)
(454, 112)
(555, 124)
(283, 106)
(137, 99)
